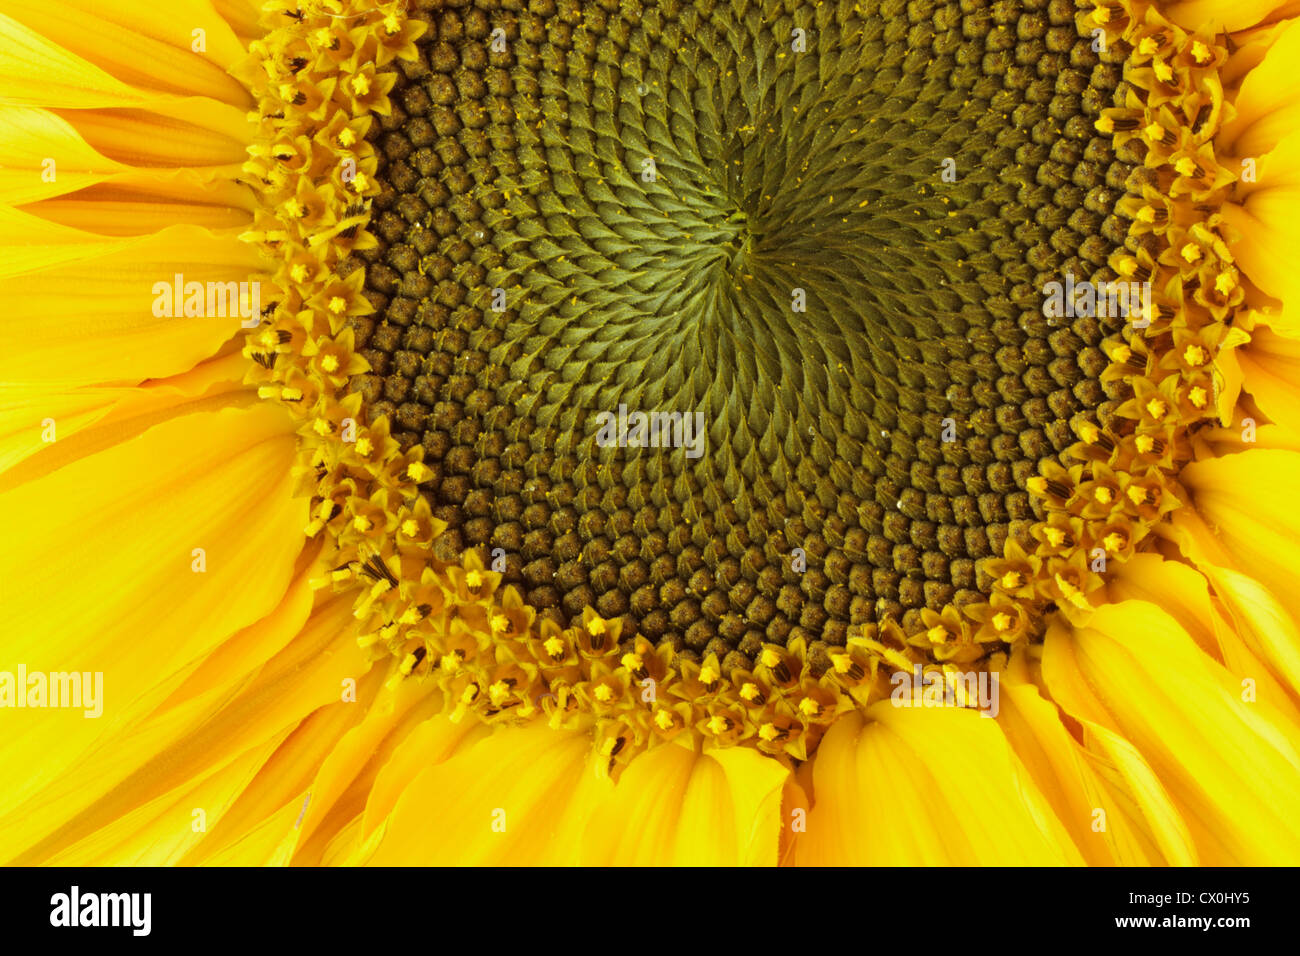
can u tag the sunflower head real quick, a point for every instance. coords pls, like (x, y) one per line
(677, 381)
(697, 367)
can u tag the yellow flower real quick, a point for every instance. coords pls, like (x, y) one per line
(316, 556)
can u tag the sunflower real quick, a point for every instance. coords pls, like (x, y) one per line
(649, 431)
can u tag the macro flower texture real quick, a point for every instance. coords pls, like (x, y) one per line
(650, 432)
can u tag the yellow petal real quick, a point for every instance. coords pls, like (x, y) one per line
(146, 52)
(1245, 501)
(265, 842)
(58, 425)
(177, 29)
(1266, 105)
(1249, 49)
(926, 786)
(1140, 794)
(190, 153)
(285, 776)
(1268, 364)
(42, 155)
(127, 217)
(160, 831)
(721, 808)
(201, 133)
(79, 309)
(1230, 767)
(1267, 216)
(250, 692)
(1218, 442)
(125, 524)
(1267, 630)
(1095, 807)
(344, 783)
(1179, 589)
(1193, 15)
(1239, 639)
(65, 78)
(434, 741)
(515, 798)
(243, 17)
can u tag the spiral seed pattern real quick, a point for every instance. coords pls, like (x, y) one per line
(824, 227)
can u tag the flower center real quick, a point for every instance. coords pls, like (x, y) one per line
(727, 320)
